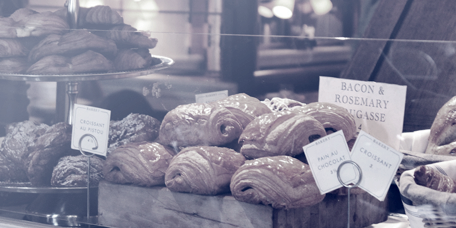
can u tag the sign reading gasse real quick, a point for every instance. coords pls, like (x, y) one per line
(94, 122)
(378, 108)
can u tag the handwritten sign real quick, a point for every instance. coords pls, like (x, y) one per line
(378, 108)
(94, 122)
(378, 162)
(210, 97)
(324, 157)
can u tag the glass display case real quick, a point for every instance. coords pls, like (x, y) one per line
(252, 52)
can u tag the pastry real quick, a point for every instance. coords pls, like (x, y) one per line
(132, 59)
(72, 43)
(244, 107)
(199, 124)
(48, 149)
(281, 181)
(126, 36)
(431, 178)
(138, 163)
(38, 24)
(203, 170)
(279, 133)
(333, 118)
(87, 62)
(442, 138)
(133, 128)
(15, 65)
(12, 48)
(101, 15)
(278, 104)
(71, 171)
(7, 28)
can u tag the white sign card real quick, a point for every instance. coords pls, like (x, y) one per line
(378, 108)
(324, 157)
(93, 122)
(210, 97)
(378, 162)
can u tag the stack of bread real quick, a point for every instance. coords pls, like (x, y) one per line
(42, 43)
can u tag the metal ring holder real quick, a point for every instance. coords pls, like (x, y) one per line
(88, 167)
(349, 186)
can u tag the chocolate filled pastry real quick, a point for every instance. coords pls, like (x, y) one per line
(199, 124)
(15, 65)
(133, 128)
(244, 107)
(72, 43)
(12, 48)
(442, 137)
(126, 36)
(281, 181)
(333, 118)
(132, 59)
(138, 163)
(432, 178)
(71, 171)
(278, 104)
(48, 149)
(279, 133)
(203, 170)
(87, 62)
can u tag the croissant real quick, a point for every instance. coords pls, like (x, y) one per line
(41, 24)
(279, 133)
(431, 178)
(244, 107)
(203, 170)
(21, 14)
(442, 138)
(71, 171)
(132, 59)
(15, 65)
(199, 124)
(12, 48)
(126, 36)
(102, 15)
(281, 181)
(138, 163)
(71, 44)
(7, 28)
(333, 118)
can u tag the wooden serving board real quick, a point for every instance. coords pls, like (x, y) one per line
(132, 206)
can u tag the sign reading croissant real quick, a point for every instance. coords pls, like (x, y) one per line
(378, 108)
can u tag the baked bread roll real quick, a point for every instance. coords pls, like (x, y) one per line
(48, 149)
(138, 163)
(72, 43)
(203, 170)
(126, 36)
(71, 171)
(442, 137)
(281, 181)
(12, 48)
(431, 178)
(133, 128)
(244, 107)
(333, 118)
(87, 62)
(199, 124)
(278, 104)
(132, 59)
(279, 133)
(14, 65)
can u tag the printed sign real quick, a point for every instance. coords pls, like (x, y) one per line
(92, 125)
(324, 157)
(210, 97)
(378, 162)
(378, 108)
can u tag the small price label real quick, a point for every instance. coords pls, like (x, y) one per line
(210, 97)
(93, 122)
(324, 157)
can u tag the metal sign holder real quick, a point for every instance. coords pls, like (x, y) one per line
(349, 186)
(88, 167)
